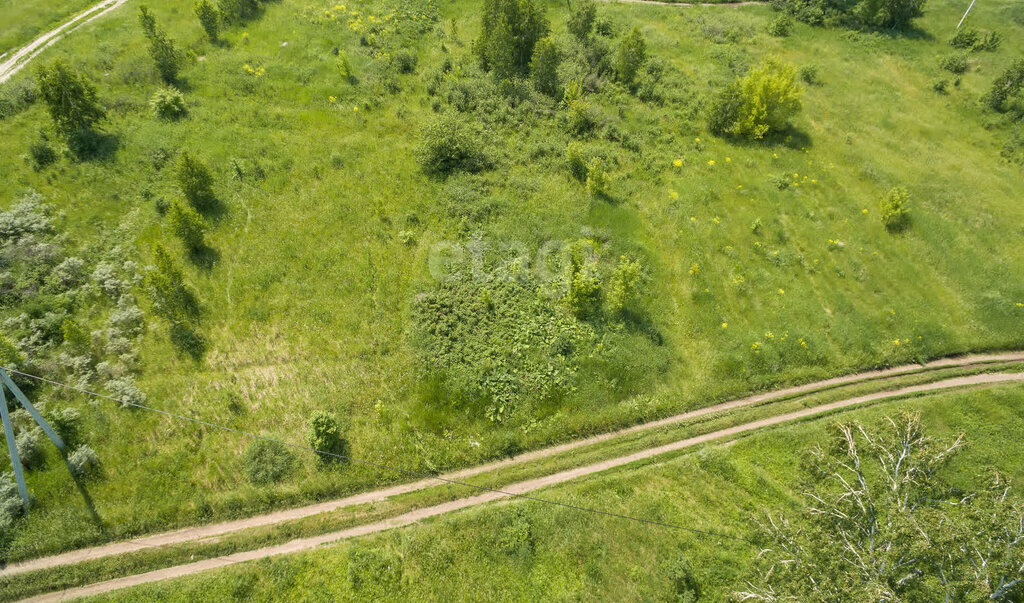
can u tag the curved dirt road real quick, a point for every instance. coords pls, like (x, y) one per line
(517, 489)
(21, 57)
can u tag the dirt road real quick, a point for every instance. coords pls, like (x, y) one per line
(524, 487)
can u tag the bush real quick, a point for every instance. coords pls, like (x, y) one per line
(544, 68)
(11, 505)
(325, 435)
(30, 447)
(808, 74)
(68, 425)
(345, 67)
(195, 181)
(84, 462)
(1006, 86)
(267, 462)
(576, 161)
(172, 298)
(161, 48)
(684, 587)
(895, 210)
(187, 225)
(964, 38)
(209, 18)
(124, 390)
(404, 61)
(582, 18)
(583, 297)
(940, 85)
(769, 98)
(580, 119)
(890, 14)
(167, 103)
(780, 26)
(509, 30)
(954, 63)
(70, 99)
(447, 144)
(516, 536)
(724, 109)
(237, 11)
(988, 43)
(598, 180)
(624, 286)
(629, 57)
(41, 153)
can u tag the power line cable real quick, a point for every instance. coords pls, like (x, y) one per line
(409, 472)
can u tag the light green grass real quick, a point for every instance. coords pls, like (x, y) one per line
(724, 488)
(24, 21)
(308, 305)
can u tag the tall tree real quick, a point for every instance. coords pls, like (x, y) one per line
(70, 98)
(508, 33)
(166, 57)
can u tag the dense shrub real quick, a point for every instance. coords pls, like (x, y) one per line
(11, 505)
(629, 57)
(124, 390)
(760, 103)
(447, 144)
(187, 225)
(209, 18)
(576, 160)
(624, 285)
(780, 26)
(84, 462)
(891, 14)
(544, 68)
(41, 153)
(68, 425)
(579, 119)
(964, 38)
(988, 43)
(582, 18)
(30, 447)
(237, 11)
(404, 61)
(1006, 87)
(16, 97)
(954, 63)
(895, 209)
(165, 55)
(167, 103)
(70, 98)
(516, 533)
(684, 587)
(509, 30)
(172, 298)
(267, 462)
(195, 181)
(724, 109)
(808, 74)
(598, 180)
(325, 434)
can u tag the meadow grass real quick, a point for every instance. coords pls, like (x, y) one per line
(306, 305)
(565, 554)
(24, 21)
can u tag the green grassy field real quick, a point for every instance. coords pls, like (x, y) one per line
(322, 249)
(569, 555)
(24, 21)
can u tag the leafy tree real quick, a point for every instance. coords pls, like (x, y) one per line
(161, 48)
(629, 57)
(195, 181)
(892, 14)
(724, 109)
(544, 67)
(236, 11)
(895, 213)
(1006, 86)
(209, 18)
(509, 30)
(624, 285)
(582, 18)
(325, 435)
(880, 524)
(172, 298)
(187, 225)
(760, 103)
(70, 98)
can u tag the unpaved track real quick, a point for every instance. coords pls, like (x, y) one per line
(304, 544)
(199, 533)
(23, 55)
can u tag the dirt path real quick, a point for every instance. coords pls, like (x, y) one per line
(304, 544)
(23, 55)
(218, 529)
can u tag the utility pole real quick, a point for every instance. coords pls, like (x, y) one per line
(12, 446)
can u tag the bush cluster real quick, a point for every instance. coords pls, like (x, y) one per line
(167, 103)
(895, 209)
(758, 104)
(267, 462)
(448, 144)
(326, 435)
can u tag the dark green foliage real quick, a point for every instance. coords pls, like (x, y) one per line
(544, 68)
(516, 533)
(990, 42)
(70, 98)
(41, 153)
(509, 30)
(954, 63)
(16, 97)
(448, 144)
(325, 434)
(172, 298)
(375, 574)
(267, 462)
(683, 586)
(585, 293)
(30, 447)
(84, 462)
(68, 425)
(724, 109)
(195, 181)
(582, 18)
(598, 180)
(165, 56)
(1006, 87)
(890, 14)
(629, 57)
(186, 224)
(968, 38)
(209, 18)
(895, 209)
(576, 161)
(780, 26)
(11, 505)
(238, 11)
(404, 61)
(808, 74)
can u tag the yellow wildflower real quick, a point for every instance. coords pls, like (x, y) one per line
(711, 162)
(725, 325)
(678, 163)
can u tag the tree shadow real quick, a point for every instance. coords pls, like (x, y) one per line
(204, 257)
(213, 209)
(90, 145)
(188, 341)
(642, 324)
(86, 497)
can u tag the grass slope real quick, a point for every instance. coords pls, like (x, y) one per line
(24, 21)
(323, 244)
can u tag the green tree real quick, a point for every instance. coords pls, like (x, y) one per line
(325, 434)
(629, 57)
(172, 298)
(509, 30)
(770, 97)
(895, 209)
(195, 181)
(209, 18)
(544, 68)
(187, 225)
(880, 524)
(70, 99)
(1006, 86)
(892, 14)
(582, 18)
(161, 48)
